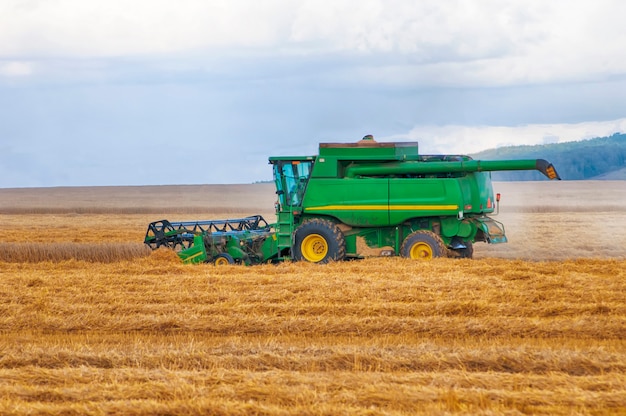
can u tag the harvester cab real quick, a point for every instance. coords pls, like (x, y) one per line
(291, 176)
(354, 200)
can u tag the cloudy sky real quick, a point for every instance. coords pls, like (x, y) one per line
(138, 92)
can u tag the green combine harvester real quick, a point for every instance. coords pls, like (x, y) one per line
(355, 200)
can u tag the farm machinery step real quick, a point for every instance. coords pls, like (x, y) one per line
(248, 240)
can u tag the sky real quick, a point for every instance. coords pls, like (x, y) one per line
(156, 92)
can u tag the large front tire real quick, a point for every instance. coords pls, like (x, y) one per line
(423, 245)
(319, 241)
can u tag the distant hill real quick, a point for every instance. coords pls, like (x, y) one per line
(603, 158)
(614, 175)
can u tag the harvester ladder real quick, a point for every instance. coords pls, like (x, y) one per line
(285, 230)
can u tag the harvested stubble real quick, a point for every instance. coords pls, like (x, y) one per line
(380, 336)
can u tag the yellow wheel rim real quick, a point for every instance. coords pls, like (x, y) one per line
(421, 251)
(314, 248)
(221, 261)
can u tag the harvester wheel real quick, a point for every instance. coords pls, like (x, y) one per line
(423, 245)
(319, 241)
(223, 259)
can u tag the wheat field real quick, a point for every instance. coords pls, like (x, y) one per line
(93, 323)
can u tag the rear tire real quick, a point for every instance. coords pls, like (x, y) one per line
(423, 245)
(319, 241)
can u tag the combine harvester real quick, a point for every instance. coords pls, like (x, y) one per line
(355, 200)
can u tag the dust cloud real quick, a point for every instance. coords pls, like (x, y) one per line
(560, 220)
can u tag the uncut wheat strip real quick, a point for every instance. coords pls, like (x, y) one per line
(91, 228)
(58, 252)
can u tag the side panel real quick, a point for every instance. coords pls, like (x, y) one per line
(478, 192)
(423, 197)
(356, 202)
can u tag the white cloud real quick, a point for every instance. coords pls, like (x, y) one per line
(425, 43)
(454, 139)
(16, 69)
(140, 27)
(432, 29)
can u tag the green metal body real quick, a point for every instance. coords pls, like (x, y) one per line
(379, 193)
(243, 248)
(375, 195)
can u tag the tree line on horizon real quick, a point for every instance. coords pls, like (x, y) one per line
(580, 160)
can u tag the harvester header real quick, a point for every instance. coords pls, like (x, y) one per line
(354, 200)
